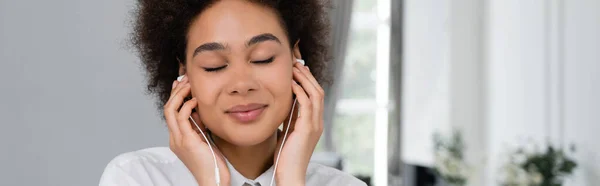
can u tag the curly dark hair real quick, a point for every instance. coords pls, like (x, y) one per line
(160, 28)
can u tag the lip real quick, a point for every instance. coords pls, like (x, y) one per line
(246, 113)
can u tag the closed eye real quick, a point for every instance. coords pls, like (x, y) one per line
(215, 69)
(264, 61)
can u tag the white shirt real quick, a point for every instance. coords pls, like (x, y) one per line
(159, 166)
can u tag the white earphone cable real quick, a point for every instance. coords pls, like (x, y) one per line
(282, 142)
(217, 176)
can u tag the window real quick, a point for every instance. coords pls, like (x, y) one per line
(360, 124)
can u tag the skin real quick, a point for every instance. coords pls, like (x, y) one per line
(243, 79)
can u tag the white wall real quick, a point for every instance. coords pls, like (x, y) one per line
(544, 75)
(425, 100)
(515, 78)
(72, 94)
(581, 78)
(466, 82)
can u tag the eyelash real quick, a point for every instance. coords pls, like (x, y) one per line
(214, 69)
(267, 61)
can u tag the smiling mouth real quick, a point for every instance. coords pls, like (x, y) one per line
(246, 113)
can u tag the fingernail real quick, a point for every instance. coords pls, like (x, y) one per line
(296, 69)
(307, 68)
(174, 84)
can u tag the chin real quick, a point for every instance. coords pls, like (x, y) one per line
(249, 135)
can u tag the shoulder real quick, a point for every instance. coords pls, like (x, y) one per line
(318, 174)
(151, 166)
(151, 155)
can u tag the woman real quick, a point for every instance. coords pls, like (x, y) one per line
(238, 61)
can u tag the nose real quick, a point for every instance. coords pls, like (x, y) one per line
(243, 81)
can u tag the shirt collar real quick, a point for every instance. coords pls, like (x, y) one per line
(237, 179)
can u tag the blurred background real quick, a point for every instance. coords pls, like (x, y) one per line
(426, 92)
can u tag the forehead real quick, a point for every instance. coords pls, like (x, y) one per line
(233, 22)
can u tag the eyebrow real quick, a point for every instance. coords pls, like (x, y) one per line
(214, 46)
(208, 47)
(262, 38)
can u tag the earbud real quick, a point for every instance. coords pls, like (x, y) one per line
(301, 61)
(180, 78)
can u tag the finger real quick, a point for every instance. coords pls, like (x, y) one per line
(171, 110)
(318, 106)
(177, 98)
(183, 119)
(309, 75)
(305, 107)
(306, 72)
(178, 86)
(315, 94)
(174, 85)
(169, 119)
(309, 87)
(171, 124)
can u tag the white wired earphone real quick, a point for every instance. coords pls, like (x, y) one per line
(217, 175)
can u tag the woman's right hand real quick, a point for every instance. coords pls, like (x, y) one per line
(189, 146)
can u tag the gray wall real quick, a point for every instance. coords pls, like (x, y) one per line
(72, 91)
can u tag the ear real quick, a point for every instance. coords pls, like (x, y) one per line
(181, 67)
(296, 50)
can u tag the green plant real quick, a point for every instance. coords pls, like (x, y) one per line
(554, 165)
(449, 159)
(548, 168)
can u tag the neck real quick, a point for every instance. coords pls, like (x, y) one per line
(250, 161)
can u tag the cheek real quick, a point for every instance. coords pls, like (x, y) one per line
(278, 80)
(205, 92)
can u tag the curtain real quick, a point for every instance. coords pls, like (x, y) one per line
(340, 17)
(395, 129)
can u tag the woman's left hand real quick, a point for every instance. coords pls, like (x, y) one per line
(305, 130)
